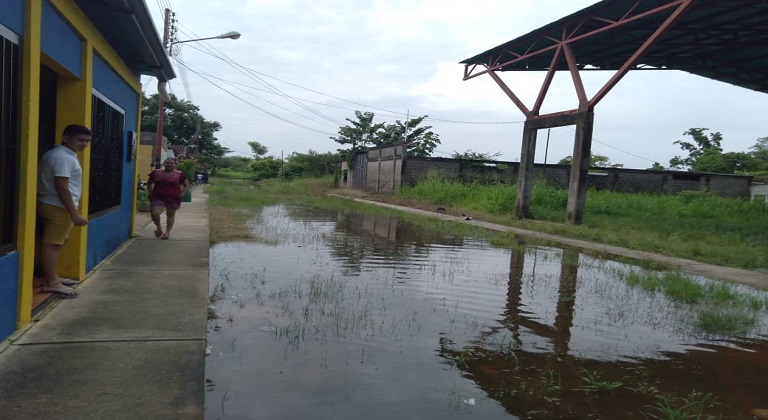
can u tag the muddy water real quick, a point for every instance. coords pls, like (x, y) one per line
(353, 316)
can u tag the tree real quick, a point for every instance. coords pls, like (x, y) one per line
(258, 149)
(420, 141)
(596, 160)
(472, 155)
(657, 167)
(760, 152)
(711, 160)
(358, 134)
(268, 167)
(181, 122)
(311, 164)
(363, 133)
(701, 143)
(233, 163)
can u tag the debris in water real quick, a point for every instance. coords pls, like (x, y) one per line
(470, 401)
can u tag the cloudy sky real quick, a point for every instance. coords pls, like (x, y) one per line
(301, 68)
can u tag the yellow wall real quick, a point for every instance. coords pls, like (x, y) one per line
(30, 94)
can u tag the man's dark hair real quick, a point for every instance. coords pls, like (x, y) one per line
(76, 129)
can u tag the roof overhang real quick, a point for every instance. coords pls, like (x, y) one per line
(127, 26)
(724, 40)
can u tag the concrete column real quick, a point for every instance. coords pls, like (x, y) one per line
(577, 188)
(525, 175)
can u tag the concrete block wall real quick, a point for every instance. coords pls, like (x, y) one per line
(730, 186)
(416, 169)
(610, 179)
(384, 169)
(652, 182)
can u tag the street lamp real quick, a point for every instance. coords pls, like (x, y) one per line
(228, 35)
(161, 86)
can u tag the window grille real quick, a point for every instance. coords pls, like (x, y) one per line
(10, 88)
(107, 151)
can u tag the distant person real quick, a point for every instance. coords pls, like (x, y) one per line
(205, 176)
(166, 187)
(59, 187)
(199, 178)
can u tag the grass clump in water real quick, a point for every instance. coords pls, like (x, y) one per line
(720, 321)
(720, 308)
(691, 407)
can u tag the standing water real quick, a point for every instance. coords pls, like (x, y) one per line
(355, 316)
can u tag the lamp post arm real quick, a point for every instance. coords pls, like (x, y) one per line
(228, 35)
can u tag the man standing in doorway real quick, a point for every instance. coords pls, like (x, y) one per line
(59, 187)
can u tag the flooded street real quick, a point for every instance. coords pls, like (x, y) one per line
(355, 316)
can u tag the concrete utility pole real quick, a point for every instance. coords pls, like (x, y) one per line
(160, 101)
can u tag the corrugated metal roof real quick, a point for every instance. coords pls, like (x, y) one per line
(128, 27)
(724, 40)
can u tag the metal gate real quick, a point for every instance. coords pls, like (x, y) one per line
(359, 167)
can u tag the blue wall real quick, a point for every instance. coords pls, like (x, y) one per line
(60, 42)
(107, 233)
(9, 293)
(12, 15)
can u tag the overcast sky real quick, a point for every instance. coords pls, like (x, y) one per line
(302, 67)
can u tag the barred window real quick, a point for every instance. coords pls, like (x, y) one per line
(107, 144)
(10, 88)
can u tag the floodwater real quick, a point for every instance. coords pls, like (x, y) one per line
(343, 315)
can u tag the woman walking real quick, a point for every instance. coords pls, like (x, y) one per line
(166, 187)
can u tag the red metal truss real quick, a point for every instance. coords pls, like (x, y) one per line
(725, 40)
(587, 26)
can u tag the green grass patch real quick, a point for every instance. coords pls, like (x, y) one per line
(720, 308)
(691, 407)
(693, 225)
(726, 322)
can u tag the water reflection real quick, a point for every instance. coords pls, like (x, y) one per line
(348, 315)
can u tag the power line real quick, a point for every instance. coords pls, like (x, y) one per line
(200, 72)
(218, 54)
(234, 64)
(615, 148)
(256, 106)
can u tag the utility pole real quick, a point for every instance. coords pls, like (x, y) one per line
(160, 101)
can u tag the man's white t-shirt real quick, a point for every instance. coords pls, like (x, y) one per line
(60, 161)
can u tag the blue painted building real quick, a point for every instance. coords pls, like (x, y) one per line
(64, 62)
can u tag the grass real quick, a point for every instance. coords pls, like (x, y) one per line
(692, 225)
(720, 309)
(596, 383)
(691, 407)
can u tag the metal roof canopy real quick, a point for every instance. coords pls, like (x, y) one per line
(724, 40)
(127, 26)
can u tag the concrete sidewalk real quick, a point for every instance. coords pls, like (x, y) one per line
(132, 345)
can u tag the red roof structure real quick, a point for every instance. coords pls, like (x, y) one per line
(724, 40)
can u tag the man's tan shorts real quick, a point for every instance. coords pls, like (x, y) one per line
(56, 223)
